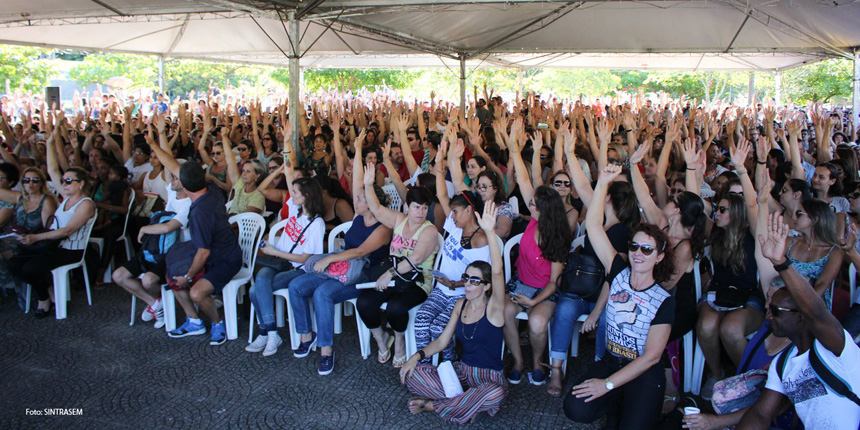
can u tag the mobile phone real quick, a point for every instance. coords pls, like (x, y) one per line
(438, 274)
(262, 244)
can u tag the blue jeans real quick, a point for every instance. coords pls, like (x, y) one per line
(326, 293)
(267, 282)
(567, 311)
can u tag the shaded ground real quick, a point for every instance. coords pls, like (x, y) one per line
(137, 377)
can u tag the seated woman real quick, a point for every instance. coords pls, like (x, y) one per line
(246, 196)
(216, 173)
(487, 184)
(366, 238)
(413, 250)
(33, 208)
(476, 320)
(544, 247)
(111, 197)
(812, 252)
(71, 218)
(9, 175)
(465, 244)
(302, 237)
(336, 202)
(639, 315)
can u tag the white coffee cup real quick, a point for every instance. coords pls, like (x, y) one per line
(689, 410)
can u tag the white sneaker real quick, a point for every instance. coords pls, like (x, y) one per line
(150, 313)
(258, 345)
(159, 317)
(273, 341)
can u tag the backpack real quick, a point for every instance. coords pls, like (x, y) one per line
(154, 247)
(822, 372)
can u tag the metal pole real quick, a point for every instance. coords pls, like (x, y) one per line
(520, 83)
(295, 79)
(463, 85)
(751, 90)
(856, 98)
(161, 74)
(778, 84)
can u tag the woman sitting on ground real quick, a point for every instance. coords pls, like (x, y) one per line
(366, 238)
(413, 251)
(476, 320)
(639, 315)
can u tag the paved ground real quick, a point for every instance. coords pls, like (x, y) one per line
(136, 377)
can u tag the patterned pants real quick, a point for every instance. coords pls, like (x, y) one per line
(486, 389)
(431, 319)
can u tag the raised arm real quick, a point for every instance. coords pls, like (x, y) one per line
(522, 173)
(496, 306)
(392, 172)
(385, 215)
(580, 180)
(441, 188)
(230, 158)
(653, 214)
(594, 218)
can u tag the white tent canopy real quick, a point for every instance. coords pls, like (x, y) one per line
(698, 35)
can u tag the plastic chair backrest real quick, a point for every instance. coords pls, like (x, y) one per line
(852, 283)
(88, 229)
(273, 232)
(251, 228)
(515, 205)
(334, 233)
(506, 255)
(396, 202)
(128, 214)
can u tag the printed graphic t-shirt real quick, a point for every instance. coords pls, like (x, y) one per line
(310, 243)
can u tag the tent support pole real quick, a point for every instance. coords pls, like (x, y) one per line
(856, 98)
(463, 85)
(295, 79)
(751, 90)
(161, 74)
(520, 82)
(778, 84)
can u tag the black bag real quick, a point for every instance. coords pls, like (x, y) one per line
(179, 259)
(403, 281)
(583, 277)
(277, 263)
(42, 246)
(731, 296)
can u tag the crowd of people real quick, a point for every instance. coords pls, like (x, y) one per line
(521, 222)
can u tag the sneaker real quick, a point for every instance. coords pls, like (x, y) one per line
(306, 347)
(537, 377)
(151, 312)
(159, 318)
(707, 392)
(188, 329)
(219, 334)
(273, 341)
(515, 377)
(326, 364)
(258, 345)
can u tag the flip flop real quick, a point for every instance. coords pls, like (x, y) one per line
(399, 362)
(382, 359)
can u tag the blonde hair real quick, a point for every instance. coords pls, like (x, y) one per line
(25, 196)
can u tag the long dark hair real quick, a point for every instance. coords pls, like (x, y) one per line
(727, 243)
(486, 274)
(554, 231)
(624, 204)
(497, 183)
(693, 216)
(665, 268)
(312, 193)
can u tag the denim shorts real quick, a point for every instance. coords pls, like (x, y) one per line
(517, 287)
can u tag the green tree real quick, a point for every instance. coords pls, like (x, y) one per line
(349, 79)
(97, 68)
(182, 76)
(821, 81)
(571, 83)
(22, 66)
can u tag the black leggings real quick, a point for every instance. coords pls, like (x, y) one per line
(641, 398)
(35, 268)
(111, 232)
(400, 300)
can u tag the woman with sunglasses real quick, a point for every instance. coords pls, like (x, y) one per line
(217, 171)
(543, 250)
(33, 207)
(71, 217)
(246, 196)
(811, 253)
(560, 182)
(476, 320)
(639, 316)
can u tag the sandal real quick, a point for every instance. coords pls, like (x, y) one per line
(383, 356)
(551, 389)
(669, 403)
(399, 362)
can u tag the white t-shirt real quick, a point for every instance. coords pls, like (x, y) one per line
(455, 258)
(310, 243)
(817, 406)
(181, 207)
(137, 171)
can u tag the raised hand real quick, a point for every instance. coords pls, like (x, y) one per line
(739, 154)
(369, 174)
(640, 153)
(773, 246)
(359, 142)
(487, 222)
(609, 173)
(690, 152)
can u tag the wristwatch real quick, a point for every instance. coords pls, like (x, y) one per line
(189, 278)
(608, 384)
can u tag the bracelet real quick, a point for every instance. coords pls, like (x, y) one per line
(690, 168)
(782, 266)
(741, 172)
(421, 355)
(760, 162)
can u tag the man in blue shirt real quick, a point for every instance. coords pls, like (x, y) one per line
(218, 257)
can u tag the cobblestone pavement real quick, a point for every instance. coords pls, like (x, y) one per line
(123, 376)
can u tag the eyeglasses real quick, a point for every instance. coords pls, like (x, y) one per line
(777, 310)
(474, 280)
(722, 209)
(267, 138)
(854, 195)
(410, 139)
(646, 249)
(70, 180)
(272, 168)
(28, 180)
(799, 213)
(217, 153)
(785, 190)
(561, 184)
(676, 190)
(242, 149)
(483, 187)
(137, 153)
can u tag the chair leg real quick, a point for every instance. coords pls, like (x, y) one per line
(251, 324)
(338, 318)
(348, 309)
(168, 299)
(574, 340)
(230, 311)
(61, 292)
(698, 370)
(133, 305)
(279, 312)
(27, 305)
(688, 361)
(86, 282)
(411, 347)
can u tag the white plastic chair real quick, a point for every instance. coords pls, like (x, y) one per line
(395, 201)
(283, 297)
(852, 284)
(270, 241)
(515, 206)
(99, 242)
(364, 332)
(61, 276)
(251, 229)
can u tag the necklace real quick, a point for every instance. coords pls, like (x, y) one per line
(463, 325)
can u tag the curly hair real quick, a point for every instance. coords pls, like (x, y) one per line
(497, 183)
(664, 269)
(554, 231)
(727, 243)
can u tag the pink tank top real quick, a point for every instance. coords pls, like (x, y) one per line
(532, 269)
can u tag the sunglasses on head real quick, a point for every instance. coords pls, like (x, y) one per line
(474, 280)
(561, 183)
(722, 209)
(646, 249)
(777, 310)
(33, 180)
(70, 180)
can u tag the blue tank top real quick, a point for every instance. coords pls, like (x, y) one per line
(482, 342)
(358, 233)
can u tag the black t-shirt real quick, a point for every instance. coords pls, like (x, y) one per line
(619, 235)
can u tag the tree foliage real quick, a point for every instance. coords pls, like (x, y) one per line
(349, 79)
(821, 81)
(23, 67)
(97, 68)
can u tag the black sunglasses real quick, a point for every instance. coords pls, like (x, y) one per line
(776, 310)
(854, 195)
(722, 209)
(474, 280)
(217, 153)
(70, 180)
(242, 149)
(561, 183)
(646, 249)
(33, 180)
